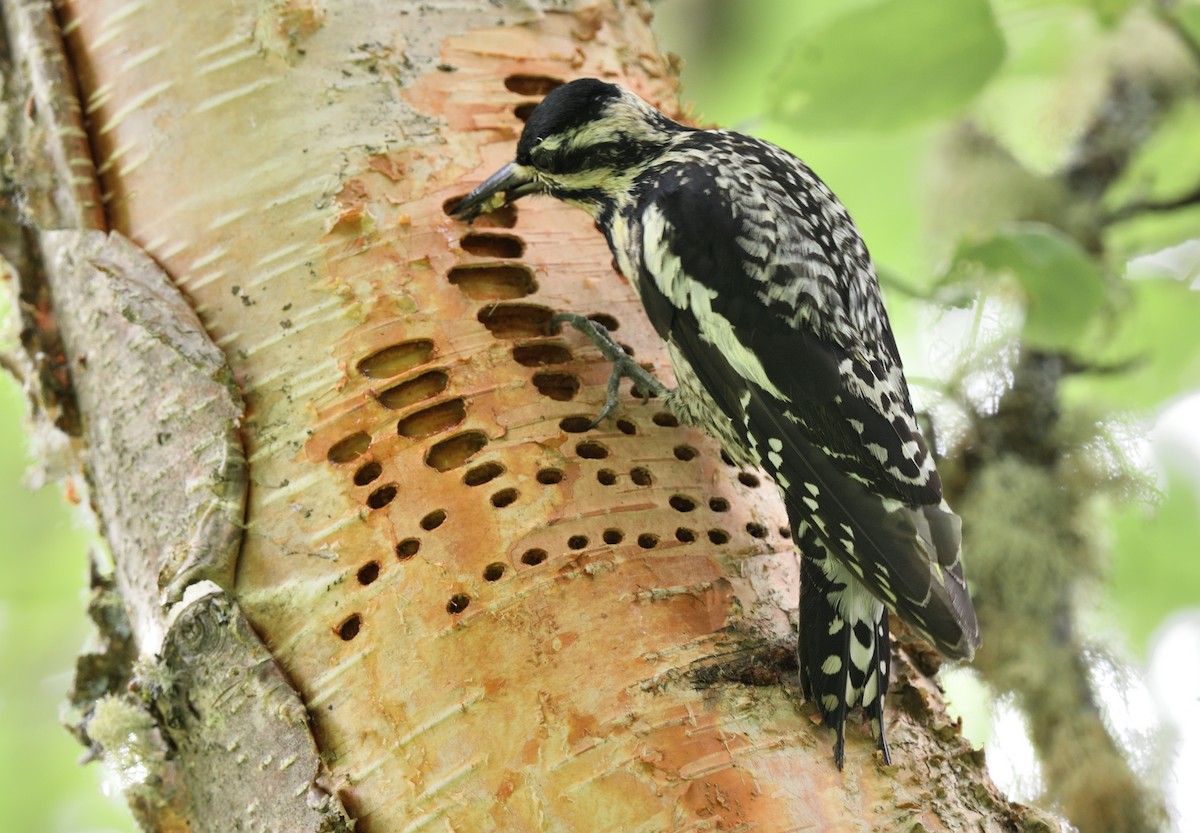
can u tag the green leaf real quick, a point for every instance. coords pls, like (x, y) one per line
(1110, 12)
(1188, 18)
(1155, 570)
(1149, 232)
(890, 65)
(1062, 289)
(1155, 345)
(1054, 82)
(1167, 166)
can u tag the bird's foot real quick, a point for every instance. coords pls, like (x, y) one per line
(839, 746)
(623, 364)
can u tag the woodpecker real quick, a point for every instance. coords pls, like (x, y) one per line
(759, 284)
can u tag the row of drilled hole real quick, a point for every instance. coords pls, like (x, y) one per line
(588, 450)
(485, 282)
(485, 473)
(482, 282)
(504, 321)
(406, 549)
(505, 282)
(369, 572)
(489, 282)
(479, 282)
(392, 361)
(396, 359)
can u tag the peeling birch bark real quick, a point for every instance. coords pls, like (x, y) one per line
(494, 618)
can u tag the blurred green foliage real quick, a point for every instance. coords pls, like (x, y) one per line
(1154, 567)
(1060, 288)
(43, 625)
(1166, 167)
(907, 80)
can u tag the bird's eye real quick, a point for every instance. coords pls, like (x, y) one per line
(539, 155)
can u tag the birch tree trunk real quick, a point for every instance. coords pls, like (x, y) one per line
(370, 569)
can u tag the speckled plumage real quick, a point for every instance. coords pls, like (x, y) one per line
(757, 280)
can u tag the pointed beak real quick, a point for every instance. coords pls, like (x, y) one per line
(510, 183)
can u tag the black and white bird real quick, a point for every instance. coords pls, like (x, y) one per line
(757, 280)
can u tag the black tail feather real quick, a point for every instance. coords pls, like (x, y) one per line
(843, 651)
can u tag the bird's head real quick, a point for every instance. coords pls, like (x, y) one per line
(582, 144)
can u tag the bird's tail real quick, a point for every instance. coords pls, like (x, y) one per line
(843, 651)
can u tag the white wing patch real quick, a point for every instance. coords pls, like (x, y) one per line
(686, 293)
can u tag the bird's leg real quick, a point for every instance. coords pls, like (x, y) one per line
(623, 364)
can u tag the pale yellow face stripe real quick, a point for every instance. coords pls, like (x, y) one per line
(626, 120)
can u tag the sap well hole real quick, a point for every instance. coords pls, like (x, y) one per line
(607, 477)
(489, 282)
(533, 557)
(453, 452)
(503, 217)
(494, 571)
(524, 110)
(591, 450)
(682, 503)
(504, 497)
(613, 536)
(432, 420)
(548, 477)
(756, 530)
(458, 603)
(368, 572)
(748, 479)
(577, 542)
(407, 548)
(486, 244)
(350, 628)
(433, 520)
(512, 321)
(718, 504)
(561, 387)
(606, 321)
(394, 360)
(685, 453)
(382, 496)
(685, 535)
(483, 473)
(541, 354)
(345, 450)
(718, 536)
(666, 419)
(575, 424)
(647, 541)
(367, 472)
(425, 386)
(641, 476)
(531, 84)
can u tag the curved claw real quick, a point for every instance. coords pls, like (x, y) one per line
(623, 364)
(610, 398)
